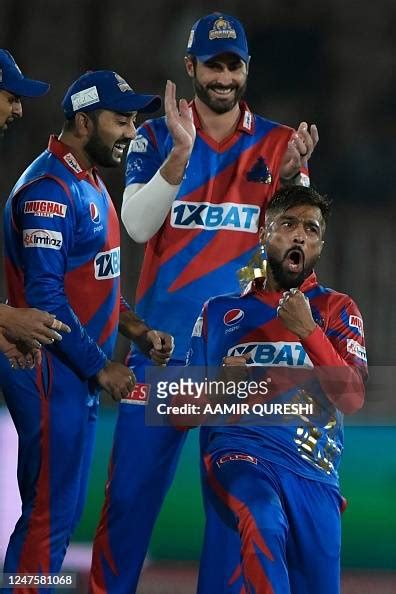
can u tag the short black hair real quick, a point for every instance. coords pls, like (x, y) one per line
(70, 124)
(297, 195)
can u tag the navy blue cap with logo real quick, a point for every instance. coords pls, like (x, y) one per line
(13, 81)
(216, 34)
(105, 89)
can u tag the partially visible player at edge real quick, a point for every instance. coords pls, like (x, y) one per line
(62, 241)
(275, 487)
(197, 185)
(22, 331)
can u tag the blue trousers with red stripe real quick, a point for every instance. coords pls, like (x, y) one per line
(55, 416)
(142, 467)
(284, 533)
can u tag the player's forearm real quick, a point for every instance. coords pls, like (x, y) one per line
(78, 348)
(342, 383)
(131, 326)
(145, 207)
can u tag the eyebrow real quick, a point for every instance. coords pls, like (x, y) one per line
(314, 222)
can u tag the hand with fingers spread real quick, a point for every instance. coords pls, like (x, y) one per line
(179, 120)
(299, 150)
(117, 379)
(30, 326)
(295, 312)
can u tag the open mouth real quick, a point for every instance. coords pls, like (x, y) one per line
(294, 260)
(223, 91)
(119, 148)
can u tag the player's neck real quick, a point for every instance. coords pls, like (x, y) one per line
(77, 150)
(217, 126)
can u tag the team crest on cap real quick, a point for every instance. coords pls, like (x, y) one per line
(222, 29)
(122, 84)
(233, 316)
(95, 214)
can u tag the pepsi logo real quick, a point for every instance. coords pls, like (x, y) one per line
(233, 316)
(95, 214)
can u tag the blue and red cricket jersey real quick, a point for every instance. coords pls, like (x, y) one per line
(232, 325)
(211, 230)
(62, 245)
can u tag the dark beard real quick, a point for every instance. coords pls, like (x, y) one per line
(217, 105)
(284, 279)
(99, 153)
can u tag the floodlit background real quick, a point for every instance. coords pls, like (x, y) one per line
(331, 63)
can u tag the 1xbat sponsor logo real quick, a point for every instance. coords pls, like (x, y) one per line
(272, 354)
(107, 264)
(45, 208)
(204, 215)
(42, 238)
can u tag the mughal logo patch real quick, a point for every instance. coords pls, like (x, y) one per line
(45, 208)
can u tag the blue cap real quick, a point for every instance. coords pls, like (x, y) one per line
(13, 81)
(216, 34)
(105, 89)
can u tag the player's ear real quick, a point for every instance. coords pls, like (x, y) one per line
(83, 124)
(189, 64)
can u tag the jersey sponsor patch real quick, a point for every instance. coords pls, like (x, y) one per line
(304, 180)
(107, 264)
(95, 214)
(273, 354)
(233, 316)
(205, 215)
(84, 98)
(45, 208)
(139, 144)
(139, 394)
(72, 162)
(197, 330)
(236, 458)
(42, 238)
(356, 349)
(356, 322)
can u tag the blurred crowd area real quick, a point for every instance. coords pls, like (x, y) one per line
(332, 63)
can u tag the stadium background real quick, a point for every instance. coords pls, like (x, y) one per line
(332, 63)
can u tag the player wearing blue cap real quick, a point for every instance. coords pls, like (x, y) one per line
(197, 184)
(62, 245)
(22, 331)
